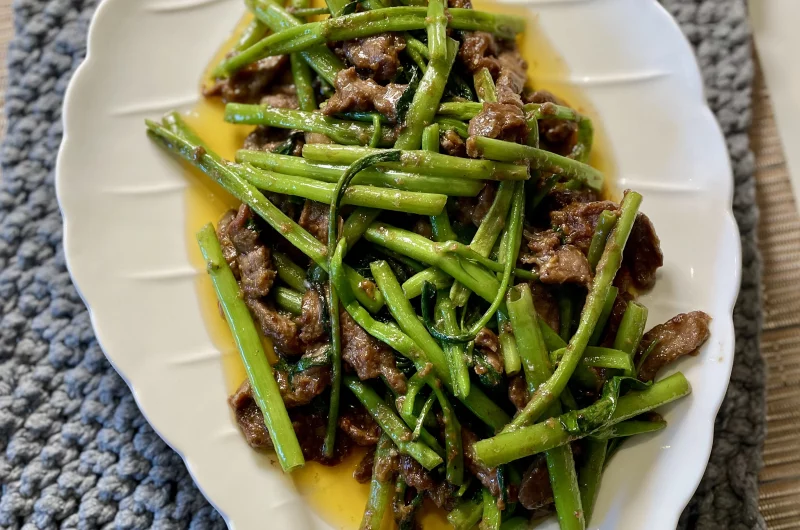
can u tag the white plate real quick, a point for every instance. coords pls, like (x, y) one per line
(126, 244)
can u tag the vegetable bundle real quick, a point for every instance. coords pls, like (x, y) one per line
(424, 242)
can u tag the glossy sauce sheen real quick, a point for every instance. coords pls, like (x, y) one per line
(331, 491)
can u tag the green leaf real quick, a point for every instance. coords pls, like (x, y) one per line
(408, 95)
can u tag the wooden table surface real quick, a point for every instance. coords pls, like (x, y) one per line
(779, 233)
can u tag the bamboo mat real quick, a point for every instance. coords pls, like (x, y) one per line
(779, 233)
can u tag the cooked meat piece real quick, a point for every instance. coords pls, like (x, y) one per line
(511, 81)
(498, 120)
(356, 422)
(422, 226)
(614, 319)
(363, 471)
(474, 209)
(277, 326)
(442, 495)
(560, 197)
(546, 305)
(312, 327)
(488, 343)
(314, 218)
(271, 139)
(356, 94)
(556, 263)
(281, 101)
(228, 250)
(310, 424)
(534, 490)
(249, 417)
(369, 357)
(518, 391)
(249, 84)
(540, 96)
(387, 467)
(452, 144)
(462, 4)
(299, 387)
(414, 474)
(257, 273)
(283, 202)
(486, 475)
(679, 336)
(578, 221)
(377, 54)
(479, 50)
(242, 232)
(643, 255)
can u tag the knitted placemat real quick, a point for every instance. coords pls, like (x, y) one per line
(75, 450)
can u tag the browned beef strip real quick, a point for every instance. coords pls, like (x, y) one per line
(277, 326)
(679, 336)
(356, 422)
(228, 250)
(363, 471)
(642, 256)
(474, 209)
(452, 144)
(578, 221)
(281, 101)
(556, 134)
(369, 357)
(249, 417)
(556, 263)
(414, 474)
(312, 328)
(511, 80)
(249, 84)
(376, 54)
(497, 120)
(314, 218)
(486, 475)
(534, 490)
(300, 387)
(518, 391)
(489, 344)
(257, 273)
(546, 305)
(356, 94)
(479, 50)
(560, 197)
(241, 231)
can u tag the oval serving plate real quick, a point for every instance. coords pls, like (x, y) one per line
(125, 235)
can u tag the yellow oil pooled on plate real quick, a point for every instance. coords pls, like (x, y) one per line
(331, 491)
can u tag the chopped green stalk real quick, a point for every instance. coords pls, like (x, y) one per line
(408, 412)
(537, 368)
(367, 196)
(630, 332)
(417, 51)
(380, 491)
(412, 287)
(605, 314)
(400, 308)
(605, 223)
(335, 7)
(426, 409)
(599, 358)
(188, 147)
(288, 299)
(302, 81)
(305, 12)
(484, 86)
(357, 223)
(446, 314)
(590, 474)
(452, 438)
(293, 165)
(413, 245)
(441, 227)
(340, 131)
(466, 514)
(336, 199)
(436, 22)
(540, 159)
(629, 428)
(606, 271)
(466, 251)
(583, 144)
(430, 138)
(266, 393)
(319, 58)
(484, 239)
(533, 131)
(375, 141)
(252, 33)
(423, 107)
(424, 162)
(533, 439)
(491, 512)
(536, 198)
(461, 128)
(391, 424)
(508, 345)
(312, 35)
(289, 272)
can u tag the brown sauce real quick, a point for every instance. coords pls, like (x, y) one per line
(331, 491)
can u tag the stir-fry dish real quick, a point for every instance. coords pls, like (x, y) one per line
(439, 270)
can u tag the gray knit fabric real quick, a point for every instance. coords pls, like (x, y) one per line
(75, 452)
